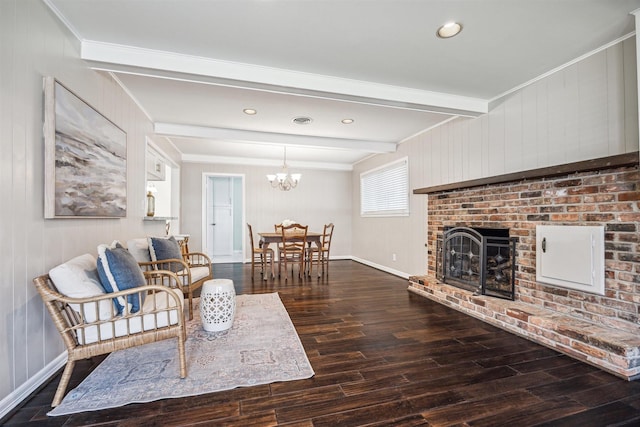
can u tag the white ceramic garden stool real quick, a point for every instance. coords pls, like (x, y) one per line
(217, 304)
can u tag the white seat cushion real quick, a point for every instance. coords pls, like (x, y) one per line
(197, 273)
(118, 327)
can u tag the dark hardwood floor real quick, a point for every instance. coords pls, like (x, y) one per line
(383, 356)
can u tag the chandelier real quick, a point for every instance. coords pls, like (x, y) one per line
(283, 180)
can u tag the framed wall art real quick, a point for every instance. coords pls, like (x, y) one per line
(85, 158)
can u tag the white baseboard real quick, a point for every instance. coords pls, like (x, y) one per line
(381, 267)
(18, 395)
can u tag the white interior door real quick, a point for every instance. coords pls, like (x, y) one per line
(223, 217)
(221, 224)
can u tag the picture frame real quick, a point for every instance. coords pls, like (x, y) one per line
(85, 162)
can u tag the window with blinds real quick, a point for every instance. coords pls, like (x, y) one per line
(384, 191)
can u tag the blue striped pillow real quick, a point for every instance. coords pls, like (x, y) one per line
(118, 270)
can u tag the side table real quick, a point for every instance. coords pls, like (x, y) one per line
(217, 304)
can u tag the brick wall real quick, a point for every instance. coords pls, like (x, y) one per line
(610, 198)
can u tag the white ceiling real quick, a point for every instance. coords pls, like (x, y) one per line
(194, 65)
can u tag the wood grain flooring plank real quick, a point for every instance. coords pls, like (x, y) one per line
(297, 398)
(505, 385)
(318, 409)
(317, 381)
(607, 393)
(365, 416)
(566, 386)
(468, 411)
(360, 387)
(612, 414)
(531, 415)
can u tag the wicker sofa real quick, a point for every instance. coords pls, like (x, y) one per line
(91, 325)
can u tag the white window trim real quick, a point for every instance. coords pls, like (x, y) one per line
(382, 190)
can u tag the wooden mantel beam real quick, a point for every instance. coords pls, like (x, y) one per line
(619, 160)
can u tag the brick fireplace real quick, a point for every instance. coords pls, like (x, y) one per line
(603, 330)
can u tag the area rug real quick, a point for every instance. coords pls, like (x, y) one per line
(261, 347)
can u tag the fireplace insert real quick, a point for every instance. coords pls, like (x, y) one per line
(481, 260)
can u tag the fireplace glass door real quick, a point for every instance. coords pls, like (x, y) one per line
(478, 260)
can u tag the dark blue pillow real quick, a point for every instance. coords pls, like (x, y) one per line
(118, 270)
(162, 248)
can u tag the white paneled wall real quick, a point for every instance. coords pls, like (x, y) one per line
(320, 198)
(34, 44)
(585, 111)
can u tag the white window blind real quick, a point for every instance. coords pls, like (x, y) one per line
(384, 191)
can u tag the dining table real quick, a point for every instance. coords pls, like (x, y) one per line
(268, 237)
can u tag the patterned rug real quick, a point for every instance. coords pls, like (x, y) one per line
(261, 347)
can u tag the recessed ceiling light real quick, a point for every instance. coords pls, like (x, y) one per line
(347, 121)
(302, 120)
(448, 30)
(250, 111)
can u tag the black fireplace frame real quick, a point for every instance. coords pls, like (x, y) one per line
(484, 241)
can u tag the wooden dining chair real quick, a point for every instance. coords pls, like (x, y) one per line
(260, 255)
(293, 248)
(320, 254)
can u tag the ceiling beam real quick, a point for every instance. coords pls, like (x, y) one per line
(119, 58)
(248, 161)
(223, 134)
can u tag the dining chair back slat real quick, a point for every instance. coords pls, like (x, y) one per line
(320, 254)
(293, 248)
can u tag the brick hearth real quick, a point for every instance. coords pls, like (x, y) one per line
(603, 330)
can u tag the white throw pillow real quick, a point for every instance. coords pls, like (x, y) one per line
(78, 278)
(139, 248)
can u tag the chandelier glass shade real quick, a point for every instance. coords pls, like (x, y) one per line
(283, 179)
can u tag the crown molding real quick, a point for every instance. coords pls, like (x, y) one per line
(147, 61)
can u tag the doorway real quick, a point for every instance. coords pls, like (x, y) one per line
(223, 217)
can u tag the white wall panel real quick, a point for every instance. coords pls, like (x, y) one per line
(615, 98)
(592, 97)
(572, 113)
(437, 156)
(556, 104)
(513, 134)
(475, 147)
(541, 121)
(630, 83)
(455, 149)
(465, 161)
(496, 158)
(529, 119)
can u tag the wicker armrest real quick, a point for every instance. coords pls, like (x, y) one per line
(197, 259)
(163, 264)
(163, 278)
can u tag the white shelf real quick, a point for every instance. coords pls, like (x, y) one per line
(159, 218)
